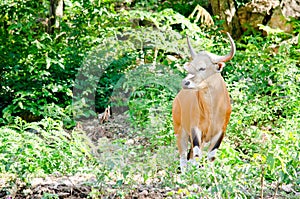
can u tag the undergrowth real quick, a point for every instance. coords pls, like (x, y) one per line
(137, 71)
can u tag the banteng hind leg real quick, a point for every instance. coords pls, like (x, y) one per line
(214, 145)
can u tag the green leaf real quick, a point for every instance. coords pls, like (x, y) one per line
(270, 162)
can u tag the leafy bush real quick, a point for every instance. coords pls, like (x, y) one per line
(35, 149)
(39, 68)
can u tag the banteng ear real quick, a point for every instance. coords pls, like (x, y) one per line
(220, 66)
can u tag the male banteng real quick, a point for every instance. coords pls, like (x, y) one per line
(201, 110)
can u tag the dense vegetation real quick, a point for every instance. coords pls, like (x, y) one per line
(123, 56)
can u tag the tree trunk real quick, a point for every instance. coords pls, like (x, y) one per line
(55, 10)
(227, 11)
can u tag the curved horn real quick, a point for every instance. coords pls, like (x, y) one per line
(230, 55)
(193, 54)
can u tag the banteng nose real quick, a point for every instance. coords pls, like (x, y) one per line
(187, 83)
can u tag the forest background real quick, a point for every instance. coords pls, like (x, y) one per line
(64, 62)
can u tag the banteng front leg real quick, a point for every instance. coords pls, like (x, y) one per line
(195, 151)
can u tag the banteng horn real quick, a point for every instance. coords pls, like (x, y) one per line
(193, 54)
(231, 53)
(214, 57)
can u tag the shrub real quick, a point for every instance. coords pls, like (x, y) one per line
(39, 148)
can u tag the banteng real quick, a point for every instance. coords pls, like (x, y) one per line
(201, 110)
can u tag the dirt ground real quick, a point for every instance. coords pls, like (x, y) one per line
(78, 186)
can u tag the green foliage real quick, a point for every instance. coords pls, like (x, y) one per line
(267, 85)
(119, 54)
(39, 148)
(151, 91)
(110, 78)
(38, 68)
(184, 7)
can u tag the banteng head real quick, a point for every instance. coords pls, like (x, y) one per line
(204, 64)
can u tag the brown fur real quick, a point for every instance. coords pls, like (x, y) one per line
(208, 109)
